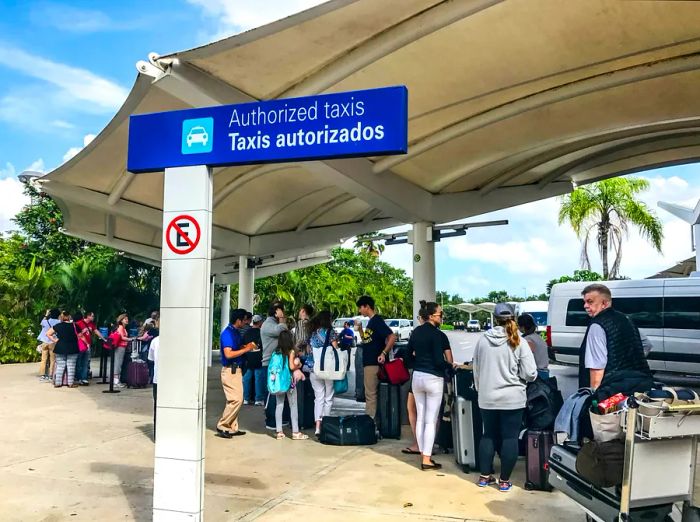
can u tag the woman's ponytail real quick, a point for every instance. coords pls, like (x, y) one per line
(513, 333)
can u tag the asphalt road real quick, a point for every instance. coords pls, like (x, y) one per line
(463, 344)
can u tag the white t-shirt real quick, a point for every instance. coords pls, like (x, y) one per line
(153, 356)
(46, 325)
(597, 347)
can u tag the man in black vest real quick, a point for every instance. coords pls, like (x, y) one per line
(612, 348)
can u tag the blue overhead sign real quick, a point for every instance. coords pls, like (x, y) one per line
(371, 122)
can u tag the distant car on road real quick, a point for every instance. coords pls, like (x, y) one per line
(197, 134)
(473, 325)
(401, 327)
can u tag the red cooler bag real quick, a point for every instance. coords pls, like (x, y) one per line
(394, 372)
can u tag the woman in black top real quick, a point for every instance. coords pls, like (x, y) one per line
(431, 353)
(65, 336)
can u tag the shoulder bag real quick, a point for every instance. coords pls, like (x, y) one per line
(331, 366)
(82, 345)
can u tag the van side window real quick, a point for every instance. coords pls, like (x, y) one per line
(645, 312)
(682, 313)
(575, 314)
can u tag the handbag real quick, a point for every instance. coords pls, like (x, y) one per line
(82, 345)
(393, 372)
(331, 366)
(607, 427)
(341, 385)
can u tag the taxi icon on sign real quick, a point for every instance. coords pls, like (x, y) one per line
(197, 135)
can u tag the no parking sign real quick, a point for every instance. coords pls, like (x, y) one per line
(183, 234)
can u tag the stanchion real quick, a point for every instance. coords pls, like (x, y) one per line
(111, 374)
(103, 366)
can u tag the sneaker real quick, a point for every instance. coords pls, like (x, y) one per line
(120, 385)
(259, 403)
(504, 485)
(246, 403)
(485, 480)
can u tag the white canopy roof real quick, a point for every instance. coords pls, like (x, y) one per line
(509, 102)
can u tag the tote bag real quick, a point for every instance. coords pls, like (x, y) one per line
(332, 365)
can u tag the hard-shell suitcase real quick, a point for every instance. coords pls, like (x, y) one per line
(539, 446)
(467, 427)
(389, 410)
(305, 404)
(349, 430)
(359, 375)
(602, 504)
(137, 374)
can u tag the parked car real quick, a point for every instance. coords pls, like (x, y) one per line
(401, 327)
(667, 311)
(473, 325)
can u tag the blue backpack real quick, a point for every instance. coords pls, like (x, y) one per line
(279, 378)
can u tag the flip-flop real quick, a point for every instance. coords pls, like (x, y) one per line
(409, 451)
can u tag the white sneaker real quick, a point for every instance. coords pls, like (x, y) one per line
(259, 403)
(119, 385)
(246, 403)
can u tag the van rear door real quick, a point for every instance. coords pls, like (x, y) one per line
(682, 324)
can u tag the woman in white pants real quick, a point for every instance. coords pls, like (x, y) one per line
(431, 354)
(322, 333)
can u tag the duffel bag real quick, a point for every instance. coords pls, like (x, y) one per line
(601, 463)
(349, 430)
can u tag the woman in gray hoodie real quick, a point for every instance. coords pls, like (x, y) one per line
(503, 364)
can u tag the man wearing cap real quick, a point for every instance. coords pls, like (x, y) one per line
(254, 385)
(233, 352)
(612, 344)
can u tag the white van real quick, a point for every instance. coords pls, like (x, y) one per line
(667, 311)
(537, 309)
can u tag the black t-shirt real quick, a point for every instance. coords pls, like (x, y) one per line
(67, 340)
(428, 344)
(374, 340)
(254, 358)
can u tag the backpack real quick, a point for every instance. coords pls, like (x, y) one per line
(541, 409)
(279, 378)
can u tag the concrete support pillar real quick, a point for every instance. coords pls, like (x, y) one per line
(423, 265)
(178, 481)
(225, 307)
(246, 284)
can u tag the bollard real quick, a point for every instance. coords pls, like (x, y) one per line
(111, 374)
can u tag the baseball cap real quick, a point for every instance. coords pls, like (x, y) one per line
(504, 310)
(257, 318)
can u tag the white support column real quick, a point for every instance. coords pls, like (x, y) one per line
(246, 284)
(178, 482)
(423, 265)
(225, 307)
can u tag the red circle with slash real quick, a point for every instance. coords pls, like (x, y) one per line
(184, 244)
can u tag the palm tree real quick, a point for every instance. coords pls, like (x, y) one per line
(608, 208)
(368, 244)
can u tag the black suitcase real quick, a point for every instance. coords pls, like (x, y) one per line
(350, 430)
(389, 410)
(359, 375)
(305, 404)
(539, 446)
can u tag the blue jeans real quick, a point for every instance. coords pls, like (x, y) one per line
(260, 377)
(543, 374)
(83, 365)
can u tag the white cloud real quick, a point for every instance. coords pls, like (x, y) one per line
(60, 124)
(79, 84)
(74, 150)
(12, 198)
(69, 18)
(37, 166)
(234, 16)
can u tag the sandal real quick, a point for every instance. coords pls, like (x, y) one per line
(281, 435)
(299, 436)
(409, 451)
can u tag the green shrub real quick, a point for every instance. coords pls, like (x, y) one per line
(17, 342)
(446, 327)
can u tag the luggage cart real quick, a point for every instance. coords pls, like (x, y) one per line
(661, 447)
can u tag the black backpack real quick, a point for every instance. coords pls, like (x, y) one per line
(542, 405)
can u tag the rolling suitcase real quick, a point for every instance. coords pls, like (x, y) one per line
(389, 410)
(599, 503)
(305, 404)
(137, 374)
(350, 430)
(539, 446)
(359, 375)
(467, 428)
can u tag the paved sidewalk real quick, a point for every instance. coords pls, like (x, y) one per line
(79, 454)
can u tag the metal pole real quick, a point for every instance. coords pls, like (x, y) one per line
(111, 373)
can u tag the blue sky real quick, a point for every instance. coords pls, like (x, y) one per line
(66, 67)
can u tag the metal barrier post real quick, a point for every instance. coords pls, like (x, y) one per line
(111, 374)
